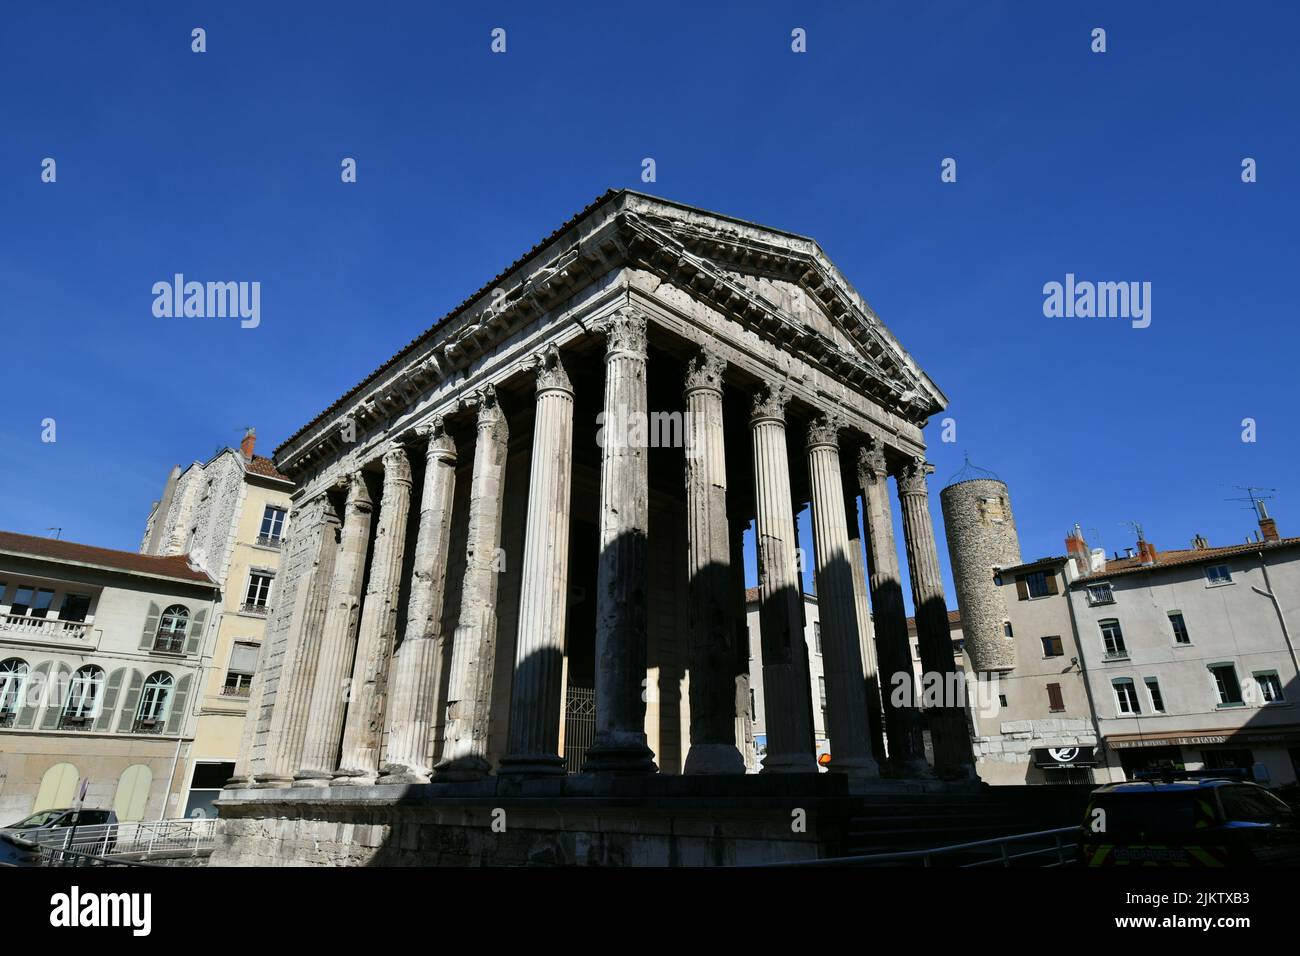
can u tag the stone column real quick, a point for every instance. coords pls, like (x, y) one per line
(338, 642)
(866, 631)
(787, 698)
(846, 701)
(953, 758)
(473, 653)
(363, 730)
(898, 681)
(288, 728)
(414, 682)
(622, 575)
(544, 587)
(712, 635)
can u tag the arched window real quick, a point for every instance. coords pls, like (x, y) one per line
(171, 629)
(13, 679)
(151, 714)
(83, 698)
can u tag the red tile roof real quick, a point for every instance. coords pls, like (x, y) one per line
(266, 468)
(1184, 556)
(954, 620)
(51, 549)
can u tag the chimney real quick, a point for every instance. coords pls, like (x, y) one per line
(1077, 549)
(246, 446)
(1146, 552)
(1267, 526)
(1200, 543)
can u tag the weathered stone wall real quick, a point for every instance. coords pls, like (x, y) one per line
(981, 532)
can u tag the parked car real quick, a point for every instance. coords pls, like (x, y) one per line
(1188, 819)
(86, 831)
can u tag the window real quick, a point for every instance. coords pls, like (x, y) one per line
(1100, 594)
(1113, 638)
(31, 602)
(259, 590)
(1217, 574)
(13, 678)
(171, 629)
(75, 607)
(1153, 691)
(1052, 647)
(958, 647)
(1006, 629)
(1270, 687)
(753, 710)
(1035, 584)
(817, 636)
(1252, 805)
(1126, 697)
(1226, 686)
(153, 704)
(1002, 700)
(1055, 702)
(83, 696)
(1180, 628)
(239, 675)
(821, 689)
(272, 526)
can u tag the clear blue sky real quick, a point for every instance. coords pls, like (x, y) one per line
(225, 165)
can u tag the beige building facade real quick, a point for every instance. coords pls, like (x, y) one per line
(101, 662)
(231, 515)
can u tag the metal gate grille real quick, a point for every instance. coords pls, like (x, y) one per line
(579, 725)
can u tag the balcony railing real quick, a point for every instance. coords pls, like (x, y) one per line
(147, 725)
(29, 626)
(76, 721)
(257, 610)
(243, 690)
(269, 540)
(7, 718)
(1120, 655)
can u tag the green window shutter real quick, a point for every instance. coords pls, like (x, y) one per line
(131, 703)
(150, 627)
(176, 706)
(57, 696)
(36, 681)
(109, 701)
(194, 639)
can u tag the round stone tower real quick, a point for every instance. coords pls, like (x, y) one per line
(981, 532)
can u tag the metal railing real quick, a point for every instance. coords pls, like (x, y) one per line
(269, 540)
(189, 836)
(257, 610)
(999, 850)
(579, 725)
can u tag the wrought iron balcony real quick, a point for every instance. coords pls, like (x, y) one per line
(257, 610)
(147, 725)
(76, 721)
(269, 540)
(169, 644)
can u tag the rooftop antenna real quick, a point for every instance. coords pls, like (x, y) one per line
(1135, 528)
(57, 532)
(1256, 500)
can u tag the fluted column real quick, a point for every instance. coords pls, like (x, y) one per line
(414, 681)
(364, 726)
(711, 639)
(787, 703)
(898, 681)
(622, 575)
(866, 631)
(846, 701)
(329, 694)
(473, 654)
(288, 728)
(953, 758)
(544, 587)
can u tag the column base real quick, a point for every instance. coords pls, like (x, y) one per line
(396, 774)
(354, 778)
(860, 768)
(239, 783)
(713, 759)
(272, 782)
(548, 765)
(462, 768)
(313, 778)
(914, 768)
(626, 754)
(789, 763)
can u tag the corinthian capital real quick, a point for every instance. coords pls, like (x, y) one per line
(911, 477)
(397, 468)
(550, 370)
(769, 402)
(358, 494)
(705, 370)
(489, 409)
(871, 461)
(825, 430)
(625, 332)
(441, 445)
